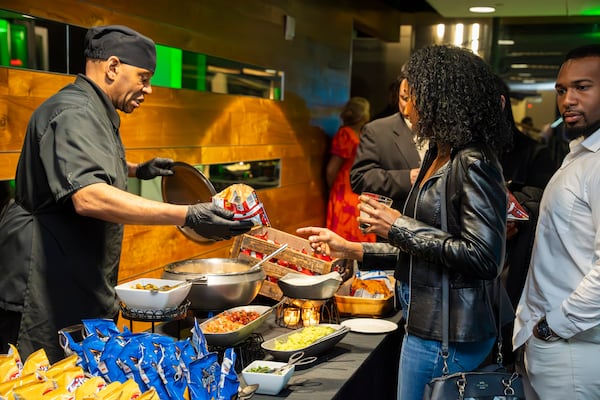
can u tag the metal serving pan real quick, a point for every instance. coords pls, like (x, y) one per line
(320, 346)
(237, 336)
(187, 186)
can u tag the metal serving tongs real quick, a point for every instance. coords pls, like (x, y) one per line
(273, 254)
(185, 282)
(295, 359)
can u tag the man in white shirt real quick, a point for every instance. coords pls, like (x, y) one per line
(558, 316)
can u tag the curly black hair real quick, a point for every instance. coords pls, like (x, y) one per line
(456, 98)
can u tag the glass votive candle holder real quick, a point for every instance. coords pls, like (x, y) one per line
(291, 316)
(310, 314)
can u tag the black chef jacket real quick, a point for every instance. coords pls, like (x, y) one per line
(58, 267)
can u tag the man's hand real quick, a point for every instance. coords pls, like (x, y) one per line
(153, 168)
(213, 222)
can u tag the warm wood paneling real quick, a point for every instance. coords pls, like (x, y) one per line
(202, 128)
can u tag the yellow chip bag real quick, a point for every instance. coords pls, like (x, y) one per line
(111, 392)
(70, 378)
(90, 387)
(59, 394)
(37, 361)
(10, 364)
(130, 390)
(34, 390)
(149, 395)
(65, 363)
(6, 388)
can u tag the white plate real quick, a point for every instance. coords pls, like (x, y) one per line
(370, 325)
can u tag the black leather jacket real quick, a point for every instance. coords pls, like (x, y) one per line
(472, 251)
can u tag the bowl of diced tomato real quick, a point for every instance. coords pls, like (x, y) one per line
(234, 325)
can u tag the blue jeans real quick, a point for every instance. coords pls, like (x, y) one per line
(402, 294)
(421, 361)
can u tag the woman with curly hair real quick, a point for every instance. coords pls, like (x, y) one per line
(455, 105)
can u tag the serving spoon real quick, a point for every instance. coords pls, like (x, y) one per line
(273, 254)
(246, 392)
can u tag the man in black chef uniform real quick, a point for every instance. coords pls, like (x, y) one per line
(60, 240)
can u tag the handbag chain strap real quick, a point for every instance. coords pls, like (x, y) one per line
(446, 290)
(445, 282)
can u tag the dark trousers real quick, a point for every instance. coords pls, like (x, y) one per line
(10, 321)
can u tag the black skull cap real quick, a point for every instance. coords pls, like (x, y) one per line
(130, 46)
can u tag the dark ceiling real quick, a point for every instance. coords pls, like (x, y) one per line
(539, 43)
(410, 5)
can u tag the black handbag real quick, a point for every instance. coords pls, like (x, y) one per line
(476, 385)
(493, 382)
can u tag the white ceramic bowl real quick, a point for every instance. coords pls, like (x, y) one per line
(269, 383)
(317, 287)
(145, 299)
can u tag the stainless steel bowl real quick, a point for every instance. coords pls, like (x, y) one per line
(219, 283)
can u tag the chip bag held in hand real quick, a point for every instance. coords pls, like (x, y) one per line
(243, 201)
(516, 212)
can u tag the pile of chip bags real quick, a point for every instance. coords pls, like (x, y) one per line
(112, 365)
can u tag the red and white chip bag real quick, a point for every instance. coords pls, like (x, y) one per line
(516, 212)
(243, 201)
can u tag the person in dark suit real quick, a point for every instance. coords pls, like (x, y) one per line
(387, 160)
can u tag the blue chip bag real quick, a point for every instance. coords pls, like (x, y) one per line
(93, 347)
(198, 340)
(205, 374)
(103, 328)
(129, 361)
(185, 351)
(229, 381)
(108, 366)
(174, 372)
(70, 346)
(150, 372)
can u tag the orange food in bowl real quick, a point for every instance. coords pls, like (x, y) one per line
(230, 321)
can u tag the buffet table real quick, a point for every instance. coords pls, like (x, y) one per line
(359, 366)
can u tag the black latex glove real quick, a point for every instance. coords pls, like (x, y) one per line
(153, 168)
(213, 222)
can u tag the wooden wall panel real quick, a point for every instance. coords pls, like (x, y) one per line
(202, 128)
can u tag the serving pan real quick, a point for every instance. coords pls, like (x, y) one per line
(320, 346)
(187, 186)
(234, 337)
(317, 287)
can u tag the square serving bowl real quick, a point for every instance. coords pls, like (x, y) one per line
(136, 298)
(268, 383)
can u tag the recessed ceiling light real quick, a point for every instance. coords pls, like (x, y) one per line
(505, 42)
(482, 10)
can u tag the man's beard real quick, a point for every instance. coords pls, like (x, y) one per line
(585, 131)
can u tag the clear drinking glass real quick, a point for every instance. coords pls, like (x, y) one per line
(381, 199)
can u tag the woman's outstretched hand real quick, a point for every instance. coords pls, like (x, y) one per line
(324, 241)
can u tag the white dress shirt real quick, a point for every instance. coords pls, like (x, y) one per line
(563, 282)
